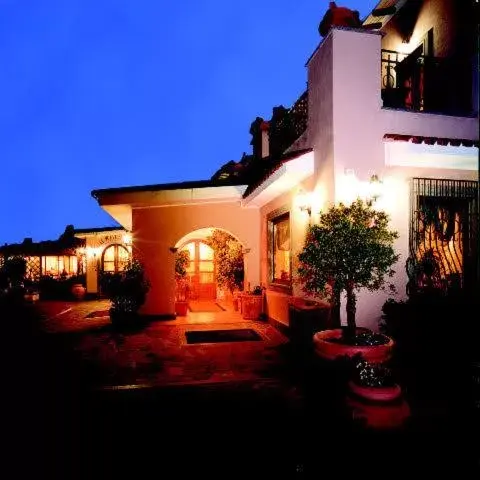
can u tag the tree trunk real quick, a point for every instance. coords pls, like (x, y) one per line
(351, 310)
(336, 311)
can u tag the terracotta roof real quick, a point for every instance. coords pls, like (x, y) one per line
(47, 247)
(454, 142)
(270, 166)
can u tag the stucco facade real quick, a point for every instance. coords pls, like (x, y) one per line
(351, 134)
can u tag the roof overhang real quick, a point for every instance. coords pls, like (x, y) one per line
(444, 155)
(384, 11)
(119, 204)
(286, 177)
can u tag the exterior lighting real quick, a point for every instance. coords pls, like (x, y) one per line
(375, 188)
(304, 202)
(127, 239)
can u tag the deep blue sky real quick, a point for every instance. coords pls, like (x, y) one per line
(105, 93)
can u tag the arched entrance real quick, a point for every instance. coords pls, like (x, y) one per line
(201, 270)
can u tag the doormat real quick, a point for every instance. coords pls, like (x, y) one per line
(222, 336)
(98, 313)
(204, 306)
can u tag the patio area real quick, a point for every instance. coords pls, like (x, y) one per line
(159, 354)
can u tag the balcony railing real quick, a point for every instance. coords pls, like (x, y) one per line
(426, 84)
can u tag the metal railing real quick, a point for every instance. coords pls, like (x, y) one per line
(424, 83)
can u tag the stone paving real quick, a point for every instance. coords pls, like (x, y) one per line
(158, 355)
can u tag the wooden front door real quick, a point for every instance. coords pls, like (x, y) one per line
(201, 270)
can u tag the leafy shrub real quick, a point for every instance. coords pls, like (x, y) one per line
(127, 290)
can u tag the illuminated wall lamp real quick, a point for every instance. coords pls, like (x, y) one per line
(127, 239)
(304, 202)
(375, 189)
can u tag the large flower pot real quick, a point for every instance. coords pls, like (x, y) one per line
(252, 306)
(78, 291)
(375, 394)
(181, 308)
(379, 416)
(331, 350)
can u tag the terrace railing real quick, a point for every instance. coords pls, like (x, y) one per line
(424, 83)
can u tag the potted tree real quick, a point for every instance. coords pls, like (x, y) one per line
(350, 248)
(182, 290)
(127, 291)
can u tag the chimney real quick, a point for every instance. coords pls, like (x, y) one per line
(27, 241)
(265, 139)
(260, 138)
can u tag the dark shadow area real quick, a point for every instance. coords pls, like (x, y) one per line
(222, 336)
(55, 426)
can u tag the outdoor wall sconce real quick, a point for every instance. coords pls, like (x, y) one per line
(92, 252)
(304, 202)
(127, 239)
(375, 188)
(173, 249)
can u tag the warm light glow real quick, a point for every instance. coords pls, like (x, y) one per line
(127, 239)
(92, 252)
(304, 201)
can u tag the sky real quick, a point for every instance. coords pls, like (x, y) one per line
(108, 93)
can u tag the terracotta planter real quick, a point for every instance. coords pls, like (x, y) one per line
(376, 394)
(181, 308)
(384, 416)
(78, 291)
(331, 350)
(252, 306)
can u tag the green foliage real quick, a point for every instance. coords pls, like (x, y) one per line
(182, 259)
(229, 260)
(127, 290)
(13, 271)
(350, 248)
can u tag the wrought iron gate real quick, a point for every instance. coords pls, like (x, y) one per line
(443, 234)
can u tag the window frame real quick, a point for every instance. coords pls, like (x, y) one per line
(274, 218)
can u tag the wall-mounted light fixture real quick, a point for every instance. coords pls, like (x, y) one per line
(375, 188)
(127, 239)
(304, 202)
(92, 252)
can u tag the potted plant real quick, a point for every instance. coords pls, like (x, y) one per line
(182, 290)
(78, 287)
(229, 263)
(350, 248)
(374, 382)
(252, 304)
(127, 291)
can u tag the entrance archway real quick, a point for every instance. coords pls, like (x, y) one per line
(205, 264)
(201, 270)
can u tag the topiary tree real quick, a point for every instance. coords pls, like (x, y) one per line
(350, 248)
(229, 260)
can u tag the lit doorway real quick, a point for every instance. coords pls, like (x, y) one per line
(201, 270)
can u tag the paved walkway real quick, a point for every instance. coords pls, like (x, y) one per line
(159, 355)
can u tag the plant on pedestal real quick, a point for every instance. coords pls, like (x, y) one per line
(350, 248)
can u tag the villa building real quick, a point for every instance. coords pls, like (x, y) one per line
(390, 114)
(77, 252)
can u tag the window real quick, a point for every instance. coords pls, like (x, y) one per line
(115, 258)
(56, 265)
(279, 249)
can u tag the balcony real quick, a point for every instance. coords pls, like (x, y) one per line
(424, 83)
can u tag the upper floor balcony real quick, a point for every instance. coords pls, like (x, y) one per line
(424, 83)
